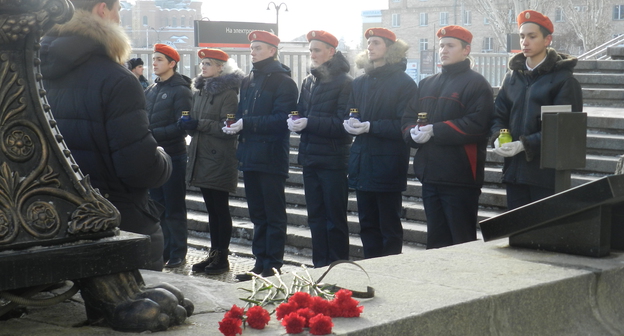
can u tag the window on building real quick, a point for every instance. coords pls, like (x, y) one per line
(424, 44)
(443, 19)
(467, 17)
(183, 22)
(396, 20)
(559, 15)
(174, 21)
(424, 19)
(396, 0)
(618, 12)
(145, 20)
(166, 22)
(486, 20)
(488, 44)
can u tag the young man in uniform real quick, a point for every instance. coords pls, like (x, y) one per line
(166, 99)
(537, 76)
(267, 96)
(450, 160)
(324, 147)
(379, 157)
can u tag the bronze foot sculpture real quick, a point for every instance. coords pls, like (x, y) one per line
(121, 302)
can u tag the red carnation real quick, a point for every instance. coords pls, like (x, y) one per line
(230, 326)
(293, 323)
(306, 313)
(321, 325)
(258, 317)
(235, 312)
(285, 309)
(343, 305)
(302, 299)
(319, 305)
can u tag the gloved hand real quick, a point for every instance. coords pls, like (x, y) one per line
(355, 127)
(509, 149)
(496, 143)
(422, 134)
(234, 128)
(297, 125)
(187, 125)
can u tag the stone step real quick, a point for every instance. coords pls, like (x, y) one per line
(599, 66)
(600, 80)
(298, 238)
(603, 96)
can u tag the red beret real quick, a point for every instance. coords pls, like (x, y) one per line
(217, 54)
(457, 32)
(263, 36)
(167, 50)
(380, 32)
(535, 17)
(323, 36)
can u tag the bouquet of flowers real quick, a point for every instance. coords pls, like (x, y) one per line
(305, 304)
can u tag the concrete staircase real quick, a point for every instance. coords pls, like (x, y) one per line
(605, 143)
(602, 82)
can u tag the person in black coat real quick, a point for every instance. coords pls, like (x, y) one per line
(267, 95)
(538, 76)
(100, 109)
(135, 65)
(379, 158)
(450, 159)
(167, 98)
(324, 147)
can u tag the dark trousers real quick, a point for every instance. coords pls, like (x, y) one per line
(267, 209)
(326, 194)
(523, 194)
(381, 230)
(172, 195)
(451, 214)
(219, 219)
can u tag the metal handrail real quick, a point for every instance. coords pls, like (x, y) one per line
(600, 51)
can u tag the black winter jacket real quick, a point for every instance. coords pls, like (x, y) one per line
(267, 96)
(165, 102)
(518, 108)
(459, 104)
(379, 159)
(100, 109)
(323, 100)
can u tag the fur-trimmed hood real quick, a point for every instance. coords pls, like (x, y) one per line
(335, 66)
(217, 85)
(69, 45)
(554, 61)
(396, 52)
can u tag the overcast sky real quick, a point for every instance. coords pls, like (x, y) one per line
(339, 17)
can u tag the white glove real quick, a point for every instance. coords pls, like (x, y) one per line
(355, 127)
(509, 149)
(422, 134)
(234, 128)
(496, 144)
(297, 125)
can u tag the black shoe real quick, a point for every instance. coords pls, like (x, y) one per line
(174, 262)
(200, 266)
(269, 272)
(219, 264)
(247, 277)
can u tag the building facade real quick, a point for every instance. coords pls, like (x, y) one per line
(417, 21)
(148, 22)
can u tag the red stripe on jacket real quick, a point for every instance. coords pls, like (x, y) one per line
(471, 150)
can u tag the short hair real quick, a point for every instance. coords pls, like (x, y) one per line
(169, 59)
(89, 4)
(464, 44)
(544, 31)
